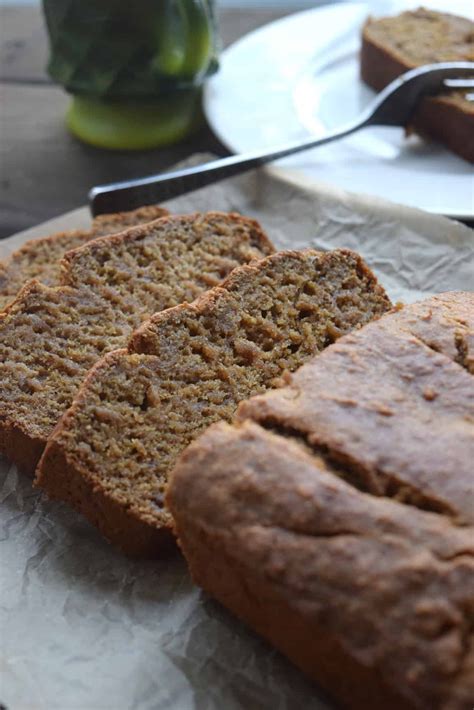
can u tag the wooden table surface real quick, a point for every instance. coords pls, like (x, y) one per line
(44, 171)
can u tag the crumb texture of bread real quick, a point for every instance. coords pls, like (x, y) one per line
(335, 515)
(51, 336)
(393, 45)
(41, 258)
(189, 366)
(116, 222)
(404, 378)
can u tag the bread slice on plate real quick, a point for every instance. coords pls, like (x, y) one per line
(41, 258)
(111, 453)
(50, 337)
(393, 45)
(336, 515)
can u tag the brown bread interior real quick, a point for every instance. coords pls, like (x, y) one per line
(50, 337)
(188, 367)
(41, 258)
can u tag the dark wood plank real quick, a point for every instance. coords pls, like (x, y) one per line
(44, 170)
(23, 43)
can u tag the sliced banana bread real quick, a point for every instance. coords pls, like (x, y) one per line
(50, 337)
(393, 45)
(336, 516)
(187, 367)
(116, 222)
(40, 258)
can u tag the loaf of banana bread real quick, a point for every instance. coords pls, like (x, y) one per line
(41, 258)
(393, 45)
(336, 515)
(111, 453)
(50, 337)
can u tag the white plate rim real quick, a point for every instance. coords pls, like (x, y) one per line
(463, 215)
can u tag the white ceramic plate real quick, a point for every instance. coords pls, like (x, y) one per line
(299, 76)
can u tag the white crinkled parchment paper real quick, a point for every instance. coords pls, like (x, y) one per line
(82, 627)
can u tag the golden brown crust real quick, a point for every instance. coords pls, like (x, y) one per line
(372, 598)
(448, 119)
(335, 516)
(400, 379)
(306, 644)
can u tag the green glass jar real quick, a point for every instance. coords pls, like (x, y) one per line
(135, 69)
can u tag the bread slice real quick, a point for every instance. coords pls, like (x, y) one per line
(393, 45)
(50, 337)
(40, 258)
(187, 367)
(335, 516)
(116, 222)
